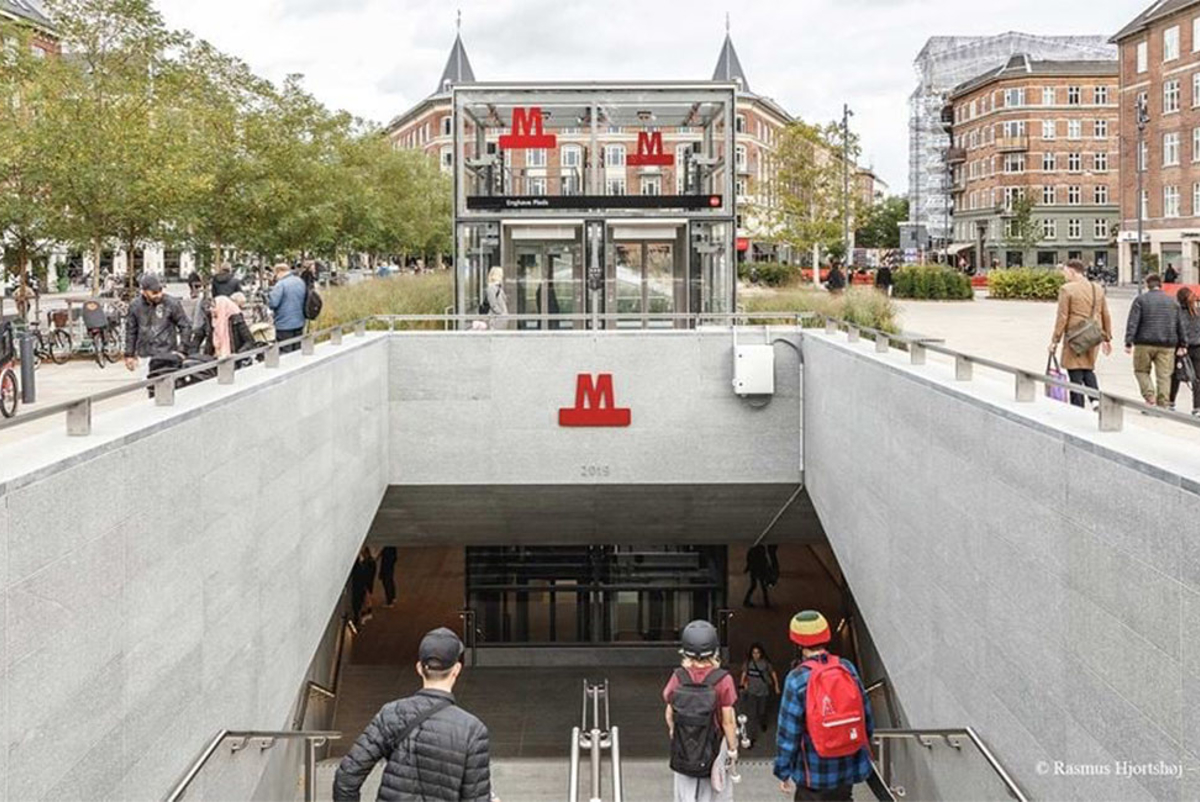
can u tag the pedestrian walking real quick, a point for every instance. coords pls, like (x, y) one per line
(155, 324)
(884, 279)
(758, 682)
(497, 304)
(825, 722)
(1152, 334)
(1170, 275)
(1189, 348)
(225, 282)
(1084, 328)
(286, 301)
(836, 281)
(434, 749)
(701, 722)
(362, 582)
(387, 574)
(758, 566)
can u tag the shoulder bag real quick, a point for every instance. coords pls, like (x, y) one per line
(1088, 334)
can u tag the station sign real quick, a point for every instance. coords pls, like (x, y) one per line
(594, 404)
(502, 203)
(650, 151)
(528, 131)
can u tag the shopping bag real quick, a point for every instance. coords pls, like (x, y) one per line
(1055, 372)
(1185, 372)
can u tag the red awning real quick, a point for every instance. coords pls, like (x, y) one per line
(743, 244)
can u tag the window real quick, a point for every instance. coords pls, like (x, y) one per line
(1100, 95)
(651, 185)
(1171, 149)
(1075, 162)
(1014, 97)
(1014, 128)
(535, 157)
(1143, 56)
(1014, 163)
(1171, 96)
(1101, 195)
(1048, 196)
(1074, 129)
(1100, 163)
(1100, 230)
(1196, 144)
(1195, 89)
(1049, 129)
(1049, 229)
(615, 186)
(1074, 196)
(447, 157)
(1048, 96)
(537, 186)
(1075, 229)
(1144, 157)
(739, 187)
(1171, 43)
(572, 156)
(739, 124)
(1011, 194)
(1049, 162)
(1195, 200)
(446, 125)
(1100, 129)
(1170, 201)
(614, 156)
(1145, 203)
(1196, 35)
(1074, 95)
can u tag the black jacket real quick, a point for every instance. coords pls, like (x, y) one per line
(1191, 327)
(225, 283)
(201, 341)
(152, 329)
(444, 758)
(1154, 320)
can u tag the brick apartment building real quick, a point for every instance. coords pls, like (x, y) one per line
(1160, 63)
(758, 121)
(1042, 130)
(43, 41)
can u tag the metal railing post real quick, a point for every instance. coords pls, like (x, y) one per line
(310, 770)
(831, 326)
(615, 757)
(271, 359)
(360, 328)
(573, 789)
(1026, 388)
(335, 336)
(225, 371)
(852, 334)
(164, 392)
(882, 344)
(885, 765)
(1112, 414)
(79, 418)
(916, 353)
(308, 345)
(962, 368)
(595, 738)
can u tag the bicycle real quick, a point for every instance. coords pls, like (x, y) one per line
(9, 388)
(102, 327)
(54, 345)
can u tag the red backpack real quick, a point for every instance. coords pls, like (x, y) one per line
(833, 709)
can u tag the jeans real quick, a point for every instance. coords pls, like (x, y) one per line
(842, 792)
(1193, 353)
(288, 334)
(1085, 377)
(1162, 359)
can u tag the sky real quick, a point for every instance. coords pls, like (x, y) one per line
(376, 58)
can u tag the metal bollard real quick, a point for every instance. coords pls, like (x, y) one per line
(271, 360)
(28, 383)
(164, 392)
(225, 372)
(962, 368)
(79, 418)
(308, 345)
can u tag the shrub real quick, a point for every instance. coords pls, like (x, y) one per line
(864, 306)
(425, 294)
(771, 274)
(933, 283)
(1026, 283)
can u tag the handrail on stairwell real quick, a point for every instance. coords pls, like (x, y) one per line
(266, 739)
(952, 736)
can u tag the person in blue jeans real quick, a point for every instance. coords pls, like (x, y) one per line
(287, 305)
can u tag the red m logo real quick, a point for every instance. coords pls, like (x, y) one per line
(527, 131)
(594, 404)
(650, 151)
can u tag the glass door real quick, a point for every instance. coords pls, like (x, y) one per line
(645, 283)
(529, 284)
(564, 284)
(628, 283)
(660, 281)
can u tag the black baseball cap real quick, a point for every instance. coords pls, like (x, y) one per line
(150, 283)
(440, 649)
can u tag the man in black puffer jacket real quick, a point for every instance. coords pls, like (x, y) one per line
(434, 750)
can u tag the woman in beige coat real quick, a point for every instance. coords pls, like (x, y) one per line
(1078, 301)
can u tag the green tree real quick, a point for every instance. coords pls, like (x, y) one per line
(1022, 231)
(879, 226)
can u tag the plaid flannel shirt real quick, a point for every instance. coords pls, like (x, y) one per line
(795, 757)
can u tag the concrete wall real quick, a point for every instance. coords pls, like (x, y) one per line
(482, 408)
(173, 574)
(1018, 571)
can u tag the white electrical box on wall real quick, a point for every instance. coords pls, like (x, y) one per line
(754, 370)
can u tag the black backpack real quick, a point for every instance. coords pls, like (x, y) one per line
(312, 304)
(697, 740)
(485, 308)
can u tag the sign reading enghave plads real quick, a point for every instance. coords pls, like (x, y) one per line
(595, 404)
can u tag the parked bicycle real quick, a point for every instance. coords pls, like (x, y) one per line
(9, 388)
(54, 345)
(103, 328)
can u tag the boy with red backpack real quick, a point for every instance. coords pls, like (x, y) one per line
(825, 722)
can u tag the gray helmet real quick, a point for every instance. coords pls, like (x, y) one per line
(699, 640)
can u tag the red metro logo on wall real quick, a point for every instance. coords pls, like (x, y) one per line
(650, 151)
(594, 404)
(527, 131)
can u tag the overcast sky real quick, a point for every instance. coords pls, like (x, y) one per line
(375, 58)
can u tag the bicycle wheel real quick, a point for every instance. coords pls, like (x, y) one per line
(112, 346)
(60, 346)
(8, 393)
(98, 343)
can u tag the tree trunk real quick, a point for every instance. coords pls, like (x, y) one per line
(215, 267)
(22, 282)
(95, 266)
(130, 278)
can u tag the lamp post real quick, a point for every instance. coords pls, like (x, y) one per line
(846, 115)
(1142, 113)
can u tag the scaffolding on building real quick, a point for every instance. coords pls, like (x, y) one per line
(943, 64)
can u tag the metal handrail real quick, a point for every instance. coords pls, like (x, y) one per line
(590, 735)
(312, 687)
(266, 738)
(952, 737)
(1112, 406)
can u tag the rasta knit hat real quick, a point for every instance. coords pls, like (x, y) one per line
(809, 628)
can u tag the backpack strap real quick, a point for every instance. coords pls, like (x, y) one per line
(419, 719)
(715, 676)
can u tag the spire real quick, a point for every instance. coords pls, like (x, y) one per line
(729, 68)
(458, 66)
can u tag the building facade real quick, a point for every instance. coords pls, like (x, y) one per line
(758, 120)
(1160, 66)
(1045, 131)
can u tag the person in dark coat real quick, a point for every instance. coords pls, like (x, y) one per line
(883, 279)
(758, 565)
(387, 573)
(836, 281)
(156, 324)
(434, 749)
(1170, 275)
(240, 338)
(225, 283)
(362, 582)
(1153, 334)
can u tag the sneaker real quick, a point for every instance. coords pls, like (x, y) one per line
(1196, 413)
